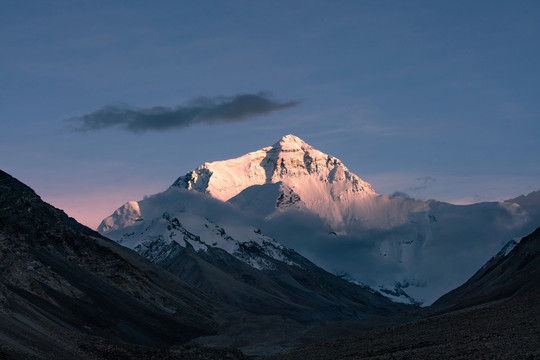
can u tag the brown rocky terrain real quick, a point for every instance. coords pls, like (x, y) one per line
(494, 315)
(66, 292)
(504, 330)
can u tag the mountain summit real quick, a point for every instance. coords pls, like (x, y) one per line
(290, 160)
(320, 181)
(310, 202)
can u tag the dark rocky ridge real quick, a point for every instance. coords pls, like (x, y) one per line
(501, 330)
(305, 294)
(64, 288)
(516, 274)
(494, 315)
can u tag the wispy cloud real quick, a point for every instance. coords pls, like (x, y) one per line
(425, 182)
(211, 111)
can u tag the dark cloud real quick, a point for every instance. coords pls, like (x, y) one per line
(219, 110)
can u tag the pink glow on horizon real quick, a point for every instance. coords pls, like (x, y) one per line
(91, 208)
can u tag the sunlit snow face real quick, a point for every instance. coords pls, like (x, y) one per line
(318, 179)
(332, 217)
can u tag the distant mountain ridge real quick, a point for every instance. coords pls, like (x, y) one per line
(152, 224)
(409, 250)
(179, 227)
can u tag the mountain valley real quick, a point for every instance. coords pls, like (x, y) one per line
(263, 255)
(68, 291)
(494, 315)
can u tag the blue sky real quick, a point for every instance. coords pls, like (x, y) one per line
(437, 99)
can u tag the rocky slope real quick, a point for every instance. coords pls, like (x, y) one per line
(494, 315)
(503, 330)
(506, 275)
(67, 292)
(209, 244)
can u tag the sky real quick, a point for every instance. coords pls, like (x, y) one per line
(102, 103)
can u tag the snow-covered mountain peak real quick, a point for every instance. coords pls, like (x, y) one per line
(310, 201)
(182, 218)
(291, 143)
(292, 157)
(320, 180)
(125, 215)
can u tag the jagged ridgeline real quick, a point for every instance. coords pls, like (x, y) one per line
(68, 292)
(290, 195)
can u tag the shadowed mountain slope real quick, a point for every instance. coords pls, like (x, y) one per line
(277, 293)
(502, 330)
(494, 315)
(516, 274)
(63, 287)
(305, 293)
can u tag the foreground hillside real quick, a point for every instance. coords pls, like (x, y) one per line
(505, 275)
(68, 293)
(494, 315)
(502, 330)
